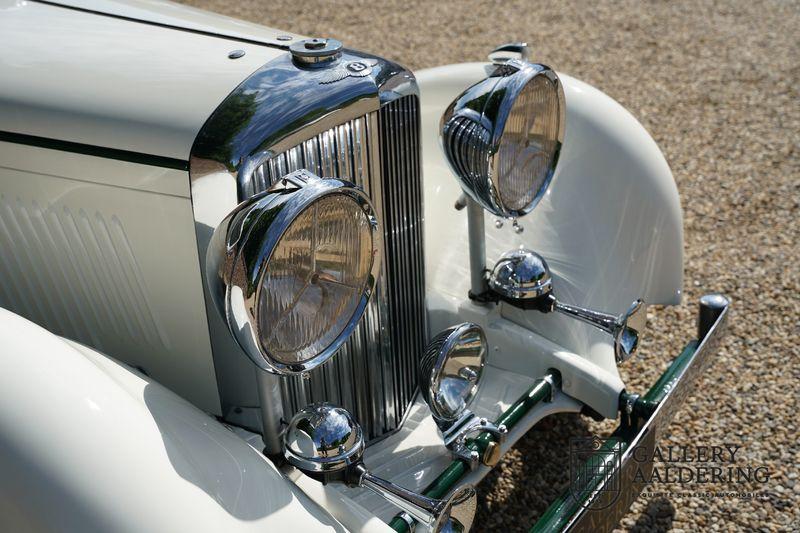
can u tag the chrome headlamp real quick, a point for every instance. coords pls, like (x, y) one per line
(502, 136)
(292, 270)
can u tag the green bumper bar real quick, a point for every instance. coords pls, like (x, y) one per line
(598, 499)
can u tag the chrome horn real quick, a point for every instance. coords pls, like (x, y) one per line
(449, 374)
(326, 443)
(522, 278)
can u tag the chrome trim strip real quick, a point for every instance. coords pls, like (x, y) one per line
(179, 25)
(94, 151)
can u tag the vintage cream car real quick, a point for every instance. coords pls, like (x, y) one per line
(256, 281)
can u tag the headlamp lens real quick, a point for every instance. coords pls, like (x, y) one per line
(315, 279)
(529, 144)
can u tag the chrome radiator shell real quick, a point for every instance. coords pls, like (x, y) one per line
(287, 116)
(373, 375)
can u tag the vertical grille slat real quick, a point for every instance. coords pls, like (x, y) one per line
(374, 373)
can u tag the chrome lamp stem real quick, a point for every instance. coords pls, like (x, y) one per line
(477, 247)
(602, 321)
(423, 509)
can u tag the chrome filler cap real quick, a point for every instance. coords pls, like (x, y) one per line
(316, 51)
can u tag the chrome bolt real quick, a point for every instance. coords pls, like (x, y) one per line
(498, 223)
(517, 227)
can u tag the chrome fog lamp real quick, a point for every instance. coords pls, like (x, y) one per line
(522, 278)
(326, 443)
(292, 269)
(502, 136)
(449, 374)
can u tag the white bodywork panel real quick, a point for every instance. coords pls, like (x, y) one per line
(172, 14)
(106, 249)
(105, 253)
(610, 227)
(113, 83)
(90, 445)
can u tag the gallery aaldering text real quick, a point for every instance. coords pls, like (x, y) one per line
(696, 464)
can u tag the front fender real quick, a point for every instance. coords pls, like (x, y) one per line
(610, 226)
(88, 444)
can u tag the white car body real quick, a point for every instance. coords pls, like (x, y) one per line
(105, 254)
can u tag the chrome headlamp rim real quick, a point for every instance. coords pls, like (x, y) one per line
(488, 104)
(433, 362)
(247, 255)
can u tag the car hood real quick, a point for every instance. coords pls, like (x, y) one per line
(141, 78)
(180, 16)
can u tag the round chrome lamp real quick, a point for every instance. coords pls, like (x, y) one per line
(451, 368)
(292, 270)
(502, 137)
(522, 278)
(326, 443)
(449, 375)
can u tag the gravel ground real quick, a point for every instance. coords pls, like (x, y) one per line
(716, 85)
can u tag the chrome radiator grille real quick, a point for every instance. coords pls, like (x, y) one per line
(374, 373)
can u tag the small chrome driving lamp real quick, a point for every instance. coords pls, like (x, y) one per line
(326, 443)
(522, 278)
(449, 374)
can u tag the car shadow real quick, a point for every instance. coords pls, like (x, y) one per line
(530, 476)
(236, 476)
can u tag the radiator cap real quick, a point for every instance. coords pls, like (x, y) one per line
(316, 50)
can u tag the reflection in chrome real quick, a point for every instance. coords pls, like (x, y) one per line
(378, 357)
(364, 129)
(451, 369)
(449, 375)
(325, 442)
(522, 278)
(503, 136)
(292, 296)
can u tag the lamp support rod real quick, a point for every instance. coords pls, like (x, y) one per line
(477, 247)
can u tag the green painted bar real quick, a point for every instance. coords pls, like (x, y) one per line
(661, 387)
(442, 484)
(458, 468)
(561, 511)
